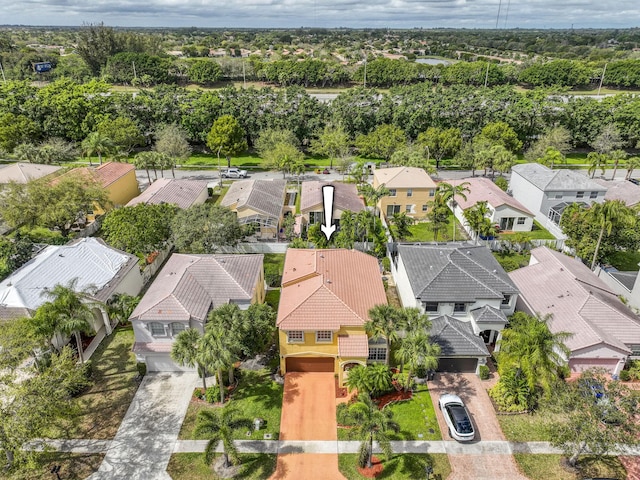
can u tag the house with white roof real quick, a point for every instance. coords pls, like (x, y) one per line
(20, 172)
(547, 192)
(96, 267)
(506, 212)
(605, 332)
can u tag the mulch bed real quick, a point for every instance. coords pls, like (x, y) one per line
(392, 397)
(374, 471)
(341, 392)
(227, 396)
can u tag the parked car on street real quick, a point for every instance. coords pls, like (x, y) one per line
(456, 417)
(233, 172)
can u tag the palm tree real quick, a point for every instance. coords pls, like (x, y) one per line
(369, 424)
(187, 350)
(449, 193)
(536, 352)
(145, 161)
(71, 310)
(477, 216)
(373, 195)
(121, 306)
(632, 164)
(415, 350)
(438, 214)
(384, 322)
(401, 223)
(98, 143)
(616, 157)
(606, 215)
(596, 160)
(218, 351)
(230, 318)
(218, 426)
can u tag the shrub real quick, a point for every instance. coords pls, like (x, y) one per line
(386, 264)
(625, 376)
(342, 414)
(421, 371)
(511, 393)
(199, 394)
(484, 372)
(403, 380)
(142, 369)
(212, 395)
(634, 370)
(43, 235)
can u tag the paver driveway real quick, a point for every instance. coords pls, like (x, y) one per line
(145, 440)
(308, 413)
(473, 466)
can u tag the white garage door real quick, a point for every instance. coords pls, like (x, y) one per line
(582, 364)
(163, 363)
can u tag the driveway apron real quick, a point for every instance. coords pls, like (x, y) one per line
(145, 440)
(308, 413)
(473, 466)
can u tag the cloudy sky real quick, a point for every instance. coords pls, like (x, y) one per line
(325, 13)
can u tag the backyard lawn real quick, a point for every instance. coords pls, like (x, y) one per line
(104, 405)
(538, 232)
(191, 466)
(512, 261)
(256, 396)
(422, 232)
(73, 466)
(544, 467)
(272, 298)
(399, 467)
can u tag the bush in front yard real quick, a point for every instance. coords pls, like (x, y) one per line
(625, 376)
(484, 372)
(212, 395)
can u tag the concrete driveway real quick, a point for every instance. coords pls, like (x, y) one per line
(145, 440)
(473, 466)
(308, 413)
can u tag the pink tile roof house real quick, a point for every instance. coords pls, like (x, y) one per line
(181, 192)
(186, 289)
(605, 332)
(483, 189)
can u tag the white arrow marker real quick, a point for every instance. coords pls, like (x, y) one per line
(327, 205)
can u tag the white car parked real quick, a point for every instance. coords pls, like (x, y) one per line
(456, 417)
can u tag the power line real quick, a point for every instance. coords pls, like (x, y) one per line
(498, 17)
(507, 14)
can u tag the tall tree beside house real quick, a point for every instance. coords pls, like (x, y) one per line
(188, 350)
(69, 312)
(373, 195)
(218, 426)
(438, 214)
(477, 218)
(98, 144)
(596, 160)
(529, 347)
(121, 306)
(368, 424)
(171, 140)
(231, 319)
(284, 157)
(606, 215)
(550, 158)
(617, 156)
(333, 142)
(449, 193)
(220, 348)
(384, 321)
(416, 351)
(400, 223)
(205, 228)
(227, 137)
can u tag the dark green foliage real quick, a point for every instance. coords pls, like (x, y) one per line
(204, 72)
(484, 372)
(556, 73)
(14, 252)
(212, 395)
(125, 67)
(142, 369)
(205, 228)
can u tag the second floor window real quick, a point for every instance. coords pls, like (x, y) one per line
(157, 329)
(176, 328)
(580, 195)
(392, 192)
(295, 336)
(506, 300)
(459, 308)
(593, 195)
(431, 307)
(409, 192)
(377, 354)
(324, 336)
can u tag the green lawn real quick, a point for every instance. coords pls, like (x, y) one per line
(257, 396)
(526, 427)
(399, 467)
(544, 467)
(538, 232)
(104, 405)
(191, 466)
(272, 298)
(73, 466)
(245, 160)
(422, 232)
(512, 261)
(625, 261)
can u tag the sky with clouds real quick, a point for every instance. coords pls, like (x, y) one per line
(326, 13)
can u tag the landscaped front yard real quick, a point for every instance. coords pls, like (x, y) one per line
(399, 467)
(73, 466)
(256, 396)
(103, 406)
(191, 466)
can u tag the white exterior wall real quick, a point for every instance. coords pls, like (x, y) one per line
(526, 193)
(407, 297)
(506, 211)
(132, 282)
(632, 297)
(143, 334)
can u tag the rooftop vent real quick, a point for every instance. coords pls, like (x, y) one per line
(328, 281)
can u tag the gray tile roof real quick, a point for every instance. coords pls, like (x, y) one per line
(345, 196)
(556, 180)
(454, 273)
(263, 196)
(628, 279)
(488, 314)
(623, 190)
(456, 338)
(188, 286)
(180, 192)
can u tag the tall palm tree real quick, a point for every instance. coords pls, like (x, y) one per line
(373, 195)
(438, 214)
(416, 350)
(218, 351)
(231, 319)
(188, 350)
(606, 215)
(384, 322)
(616, 157)
(477, 218)
(71, 310)
(369, 424)
(121, 306)
(596, 160)
(97, 143)
(218, 426)
(145, 161)
(530, 347)
(631, 165)
(449, 193)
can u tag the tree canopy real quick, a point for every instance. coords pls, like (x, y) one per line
(205, 228)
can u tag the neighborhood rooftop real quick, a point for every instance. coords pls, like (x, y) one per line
(340, 284)
(89, 260)
(556, 180)
(454, 272)
(345, 196)
(624, 190)
(456, 337)
(25, 172)
(104, 175)
(265, 196)
(189, 285)
(482, 188)
(180, 192)
(404, 177)
(578, 300)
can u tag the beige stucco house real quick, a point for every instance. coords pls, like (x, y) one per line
(410, 191)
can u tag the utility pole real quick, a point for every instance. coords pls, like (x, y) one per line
(365, 70)
(244, 76)
(134, 70)
(602, 77)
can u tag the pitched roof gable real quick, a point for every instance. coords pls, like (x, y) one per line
(180, 192)
(404, 177)
(483, 189)
(546, 179)
(25, 172)
(103, 175)
(263, 196)
(345, 196)
(456, 337)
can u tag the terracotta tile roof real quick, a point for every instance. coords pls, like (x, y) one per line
(579, 301)
(403, 177)
(480, 189)
(327, 289)
(104, 175)
(353, 346)
(181, 192)
(188, 286)
(24, 172)
(345, 196)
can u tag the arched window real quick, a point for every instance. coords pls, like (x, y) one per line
(157, 329)
(177, 327)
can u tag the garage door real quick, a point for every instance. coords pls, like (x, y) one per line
(309, 364)
(163, 363)
(582, 364)
(464, 365)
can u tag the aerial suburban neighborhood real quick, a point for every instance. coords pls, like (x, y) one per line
(319, 253)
